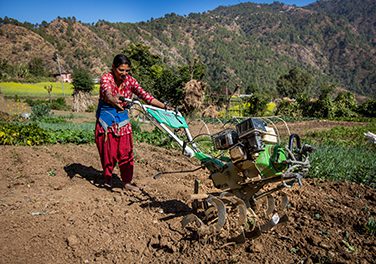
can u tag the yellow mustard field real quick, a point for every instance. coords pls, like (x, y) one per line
(38, 89)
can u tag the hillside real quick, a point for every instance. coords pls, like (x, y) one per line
(247, 44)
(361, 16)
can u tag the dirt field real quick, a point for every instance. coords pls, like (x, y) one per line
(52, 213)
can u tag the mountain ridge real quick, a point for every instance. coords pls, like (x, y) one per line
(247, 44)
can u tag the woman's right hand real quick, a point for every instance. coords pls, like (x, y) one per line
(115, 101)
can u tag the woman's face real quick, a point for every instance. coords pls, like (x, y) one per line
(121, 72)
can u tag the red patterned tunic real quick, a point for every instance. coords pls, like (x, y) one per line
(127, 88)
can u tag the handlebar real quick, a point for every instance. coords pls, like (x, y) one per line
(131, 102)
(188, 151)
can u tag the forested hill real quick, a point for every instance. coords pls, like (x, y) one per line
(361, 14)
(248, 44)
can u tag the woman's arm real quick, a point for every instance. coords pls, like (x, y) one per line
(157, 103)
(106, 90)
(113, 100)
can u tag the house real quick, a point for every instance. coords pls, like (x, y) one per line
(63, 77)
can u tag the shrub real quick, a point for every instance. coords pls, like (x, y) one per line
(40, 111)
(32, 102)
(37, 67)
(289, 108)
(368, 109)
(270, 109)
(82, 81)
(55, 104)
(59, 104)
(296, 82)
(345, 105)
(257, 104)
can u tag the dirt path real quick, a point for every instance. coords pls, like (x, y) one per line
(52, 213)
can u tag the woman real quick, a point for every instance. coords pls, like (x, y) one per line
(113, 132)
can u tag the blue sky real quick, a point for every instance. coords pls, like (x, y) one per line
(88, 11)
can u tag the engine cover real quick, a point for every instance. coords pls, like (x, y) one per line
(225, 139)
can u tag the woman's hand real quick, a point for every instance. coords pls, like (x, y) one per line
(168, 107)
(114, 101)
(119, 104)
(157, 103)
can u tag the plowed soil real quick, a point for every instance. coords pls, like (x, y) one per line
(51, 212)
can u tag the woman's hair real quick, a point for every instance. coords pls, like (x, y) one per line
(121, 59)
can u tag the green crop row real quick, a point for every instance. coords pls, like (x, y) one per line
(333, 162)
(31, 134)
(343, 136)
(39, 133)
(344, 153)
